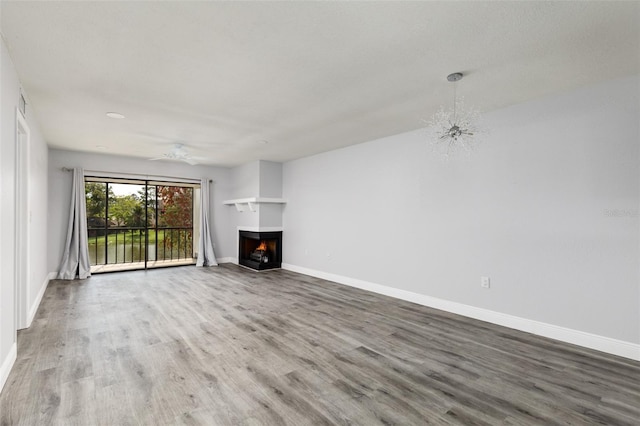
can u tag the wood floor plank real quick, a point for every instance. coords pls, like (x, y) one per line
(228, 346)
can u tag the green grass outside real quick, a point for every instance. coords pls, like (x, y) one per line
(137, 237)
(132, 249)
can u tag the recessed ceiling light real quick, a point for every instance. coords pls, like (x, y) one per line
(115, 115)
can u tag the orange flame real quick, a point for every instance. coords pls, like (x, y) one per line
(262, 246)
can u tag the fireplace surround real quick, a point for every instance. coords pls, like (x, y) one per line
(260, 250)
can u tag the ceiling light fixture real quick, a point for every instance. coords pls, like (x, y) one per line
(455, 129)
(115, 115)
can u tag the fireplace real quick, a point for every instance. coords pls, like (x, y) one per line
(260, 250)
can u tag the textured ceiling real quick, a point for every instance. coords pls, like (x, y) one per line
(307, 77)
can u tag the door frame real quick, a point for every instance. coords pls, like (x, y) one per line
(146, 182)
(22, 221)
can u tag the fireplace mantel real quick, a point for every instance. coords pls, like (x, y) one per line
(242, 204)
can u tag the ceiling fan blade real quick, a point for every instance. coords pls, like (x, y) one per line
(179, 152)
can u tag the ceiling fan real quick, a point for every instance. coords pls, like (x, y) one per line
(178, 153)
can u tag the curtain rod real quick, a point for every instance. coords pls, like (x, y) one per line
(105, 174)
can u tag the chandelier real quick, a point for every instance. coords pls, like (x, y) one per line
(454, 129)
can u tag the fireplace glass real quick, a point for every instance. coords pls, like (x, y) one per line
(260, 250)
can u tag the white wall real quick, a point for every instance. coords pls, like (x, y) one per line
(37, 172)
(547, 208)
(258, 179)
(245, 184)
(245, 180)
(270, 179)
(270, 187)
(60, 184)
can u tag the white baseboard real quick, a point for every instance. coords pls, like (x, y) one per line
(7, 364)
(36, 303)
(568, 335)
(227, 260)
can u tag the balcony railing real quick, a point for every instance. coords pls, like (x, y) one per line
(115, 245)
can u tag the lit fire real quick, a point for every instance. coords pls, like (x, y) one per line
(262, 246)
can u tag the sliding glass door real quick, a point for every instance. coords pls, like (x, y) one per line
(139, 224)
(171, 231)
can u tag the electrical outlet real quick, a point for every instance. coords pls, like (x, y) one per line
(485, 282)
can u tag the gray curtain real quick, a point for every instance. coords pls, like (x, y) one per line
(75, 260)
(206, 257)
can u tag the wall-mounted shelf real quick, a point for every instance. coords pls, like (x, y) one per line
(242, 204)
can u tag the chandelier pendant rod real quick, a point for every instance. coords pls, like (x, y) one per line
(455, 86)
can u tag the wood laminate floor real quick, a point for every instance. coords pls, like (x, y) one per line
(227, 346)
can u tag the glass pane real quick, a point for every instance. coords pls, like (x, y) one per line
(151, 223)
(95, 193)
(174, 239)
(126, 212)
(175, 206)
